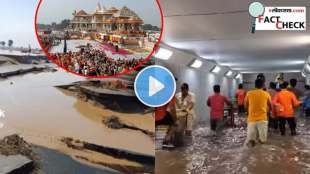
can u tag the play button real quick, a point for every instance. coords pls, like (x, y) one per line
(155, 86)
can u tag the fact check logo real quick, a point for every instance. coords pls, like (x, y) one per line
(278, 18)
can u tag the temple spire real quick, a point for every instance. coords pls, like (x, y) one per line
(98, 7)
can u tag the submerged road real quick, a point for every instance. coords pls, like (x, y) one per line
(225, 153)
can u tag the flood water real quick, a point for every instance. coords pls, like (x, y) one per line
(52, 161)
(225, 153)
(43, 114)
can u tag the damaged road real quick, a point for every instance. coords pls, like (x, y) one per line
(113, 95)
(114, 122)
(15, 70)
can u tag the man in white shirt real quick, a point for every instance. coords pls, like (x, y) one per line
(185, 103)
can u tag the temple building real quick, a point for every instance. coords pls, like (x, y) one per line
(122, 21)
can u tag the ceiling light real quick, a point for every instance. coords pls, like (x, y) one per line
(216, 69)
(238, 76)
(303, 39)
(196, 64)
(163, 54)
(229, 73)
(307, 68)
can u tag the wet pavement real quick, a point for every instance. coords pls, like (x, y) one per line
(225, 153)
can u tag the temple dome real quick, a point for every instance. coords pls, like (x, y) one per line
(126, 12)
(81, 13)
(100, 8)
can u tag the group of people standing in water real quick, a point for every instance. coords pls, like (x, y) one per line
(265, 107)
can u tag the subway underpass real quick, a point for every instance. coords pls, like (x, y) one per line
(211, 43)
(226, 153)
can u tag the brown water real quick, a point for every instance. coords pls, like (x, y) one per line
(42, 113)
(226, 153)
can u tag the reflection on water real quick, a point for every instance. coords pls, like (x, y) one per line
(33, 105)
(226, 154)
(2, 113)
(2, 116)
(52, 162)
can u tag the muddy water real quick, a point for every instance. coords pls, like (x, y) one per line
(226, 153)
(52, 161)
(37, 110)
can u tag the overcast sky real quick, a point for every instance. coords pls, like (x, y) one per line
(17, 22)
(57, 10)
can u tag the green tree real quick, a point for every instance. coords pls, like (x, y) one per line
(2, 43)
(10, 43)
(65, 23)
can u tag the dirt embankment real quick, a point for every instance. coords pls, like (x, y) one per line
(114, 122)
(132, 163)
(147, 162)
(116, 95)
(23, 71)
(116, 102)
(15, 145)
(111, 99)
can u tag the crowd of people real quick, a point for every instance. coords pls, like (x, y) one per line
(266, 108)
(93, 62)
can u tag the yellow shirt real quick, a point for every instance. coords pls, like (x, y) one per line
(257, 102)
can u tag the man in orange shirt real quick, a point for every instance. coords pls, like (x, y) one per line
(288, 101)
(257, 102)
(166, 115)
(240, 95)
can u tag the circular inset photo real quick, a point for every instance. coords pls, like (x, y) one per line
(99, 39)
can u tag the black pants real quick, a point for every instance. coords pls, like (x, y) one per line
(307, 112)
(167, 120)
(273, 123)
(292, 123)
(241, 109)
(213, 123)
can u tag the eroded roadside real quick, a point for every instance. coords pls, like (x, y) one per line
(43, 115)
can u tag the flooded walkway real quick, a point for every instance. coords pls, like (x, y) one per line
(226, 154)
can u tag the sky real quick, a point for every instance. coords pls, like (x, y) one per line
(57, 10)
(17, 22)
